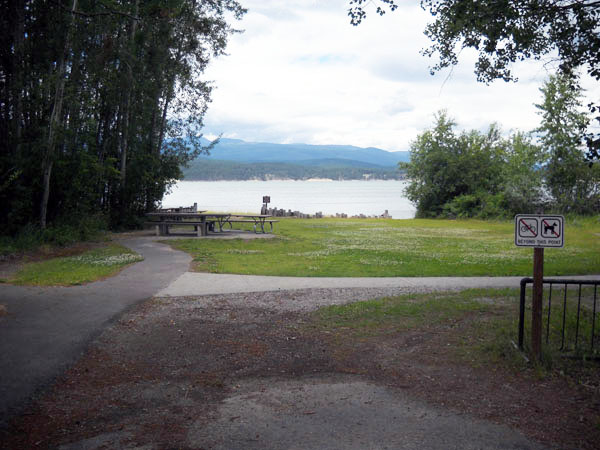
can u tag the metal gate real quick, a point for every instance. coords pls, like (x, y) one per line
(571, 320)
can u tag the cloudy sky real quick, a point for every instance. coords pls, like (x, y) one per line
(300, 73)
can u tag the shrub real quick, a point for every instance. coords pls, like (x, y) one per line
(60, 233)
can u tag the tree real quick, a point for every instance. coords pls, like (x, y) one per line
(522, 175)
(446, 168)
(506, 31)
(574, 184)
(95, 98)
(56, 112)
(357, 12)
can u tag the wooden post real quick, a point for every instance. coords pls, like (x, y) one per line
(536, 310)
(202, 231)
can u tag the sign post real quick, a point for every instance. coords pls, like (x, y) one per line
(538, 231)
(266, 201)
(536, 302)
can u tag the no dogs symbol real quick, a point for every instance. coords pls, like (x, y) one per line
(550, 228)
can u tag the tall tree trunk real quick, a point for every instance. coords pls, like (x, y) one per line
(127, 103)
(163, 122)
(168, 98)
(155, 107)
(48, 160)
(18, 74)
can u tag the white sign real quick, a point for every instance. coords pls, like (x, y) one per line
(539, 231)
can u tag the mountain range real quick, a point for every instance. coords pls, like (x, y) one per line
(305, 154)
(236, 159)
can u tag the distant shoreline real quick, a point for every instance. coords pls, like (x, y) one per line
(308, 180)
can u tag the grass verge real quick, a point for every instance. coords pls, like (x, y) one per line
(85, 267)
(387, 248)
(480, 326)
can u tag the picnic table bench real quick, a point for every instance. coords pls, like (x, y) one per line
(202, 221)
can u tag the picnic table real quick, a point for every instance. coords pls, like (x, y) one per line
(203, 221)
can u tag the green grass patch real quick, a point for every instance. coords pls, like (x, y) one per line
(479, 326)
(86, 267)
(403, 313)
(391, 248)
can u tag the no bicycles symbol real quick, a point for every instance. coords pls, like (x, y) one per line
(539, 231)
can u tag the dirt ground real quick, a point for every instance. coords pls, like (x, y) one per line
(169, 370)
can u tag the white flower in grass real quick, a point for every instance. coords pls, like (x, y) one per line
(314, 254)
(380, 262)
(236, 251)
(113, 260)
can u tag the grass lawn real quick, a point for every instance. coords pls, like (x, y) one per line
(487, 320)
(86, 267)
(388, 248)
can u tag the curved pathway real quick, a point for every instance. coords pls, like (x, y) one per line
(47, 329)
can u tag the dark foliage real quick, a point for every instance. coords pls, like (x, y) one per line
(89, 93)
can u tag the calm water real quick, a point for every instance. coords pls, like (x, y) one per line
(328, 197)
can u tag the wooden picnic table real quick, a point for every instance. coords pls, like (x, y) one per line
(202, 220)
(258, 220)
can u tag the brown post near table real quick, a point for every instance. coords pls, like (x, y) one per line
(536, 305)
(265, 206)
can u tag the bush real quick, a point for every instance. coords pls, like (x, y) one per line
(449, 174)
(60, 233)
(463, 206)
(64, 232)
(479, 205)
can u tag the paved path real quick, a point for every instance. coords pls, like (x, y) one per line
(191, 283)
(47, 329)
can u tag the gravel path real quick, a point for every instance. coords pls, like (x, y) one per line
(297, 300)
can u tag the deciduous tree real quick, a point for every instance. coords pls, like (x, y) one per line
(506, 31)
(573, 183)
(445, 167)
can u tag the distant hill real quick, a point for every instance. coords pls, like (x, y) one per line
(242, 151)
(234, 159)
(218, 170)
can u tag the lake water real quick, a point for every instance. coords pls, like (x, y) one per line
(329, 197)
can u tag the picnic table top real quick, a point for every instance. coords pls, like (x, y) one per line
(176, 214)
(205, 214)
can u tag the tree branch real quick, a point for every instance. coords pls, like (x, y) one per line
(111, 11)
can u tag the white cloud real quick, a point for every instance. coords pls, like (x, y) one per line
(301, 73)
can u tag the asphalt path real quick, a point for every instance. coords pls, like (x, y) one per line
(47, 329)
(193, 283)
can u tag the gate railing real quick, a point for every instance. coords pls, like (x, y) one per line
(567, 326)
